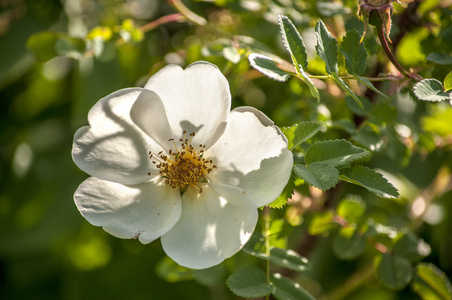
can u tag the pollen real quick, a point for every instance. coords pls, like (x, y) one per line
(184, 165)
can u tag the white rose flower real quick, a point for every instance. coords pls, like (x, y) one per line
(171, 160)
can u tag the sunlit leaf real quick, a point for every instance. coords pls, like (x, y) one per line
(286, 289)
(288, 259)
(42, 44)
(430, 90)
(439, 122)
(231, 54)
(322, 223)
(300, 132)
(285, 194)
(293, 42)
(326, 47)
(448, 81)
(369, 179)
(267, 66)
(312, 88)
(321, 175)
(354, 52)
(394, 271)
(431, 283)
(336, 153)
(351, 209)
(249, 282)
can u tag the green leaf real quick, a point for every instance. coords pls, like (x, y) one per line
(336, 153)
(249, 282)
(354, 52)
(431, 283)
(286, 289)
(346, 88)
(286, 194)
(430, 90)
(369, 179)
(69, 46)
(351, 209)
(369, 84)
(438, 122)
(348, 244)
(411, 247)
(356, 109)
(367, 137)
(256, 245)
(321, 175)
(300, 132)
(288, 259)
(312, 88)
(294, 43)
(440, 58)
(267, 66)
(394, 271)
(322, 223)
(448, 81)
(42, 44)
(326, 47)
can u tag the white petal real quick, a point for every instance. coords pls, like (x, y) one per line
(215, 224)
(113, 147)
(252, 155)
(149, 114)
(196, 99)
(146, 211)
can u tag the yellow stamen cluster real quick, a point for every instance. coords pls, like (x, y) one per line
(185, 166)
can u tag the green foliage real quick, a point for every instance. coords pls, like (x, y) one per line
(369, 179)
(353, 114)
(293, 43)
(431, 283)
(267, 66)
(348, 244)
(321, 175)
(394, 271)
(431, 90)
(300, 133)
(448, 81)
(326, 47)
(249, 282)
(351, 209)
(286, 289)
(287, 258)
(354, 52)
(336, 153)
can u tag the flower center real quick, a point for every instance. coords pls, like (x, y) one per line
(184, 166)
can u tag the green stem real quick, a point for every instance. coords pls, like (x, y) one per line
(266, 217)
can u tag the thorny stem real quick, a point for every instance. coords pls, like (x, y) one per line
(391, 56)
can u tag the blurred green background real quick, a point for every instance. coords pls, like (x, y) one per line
(49, 251)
